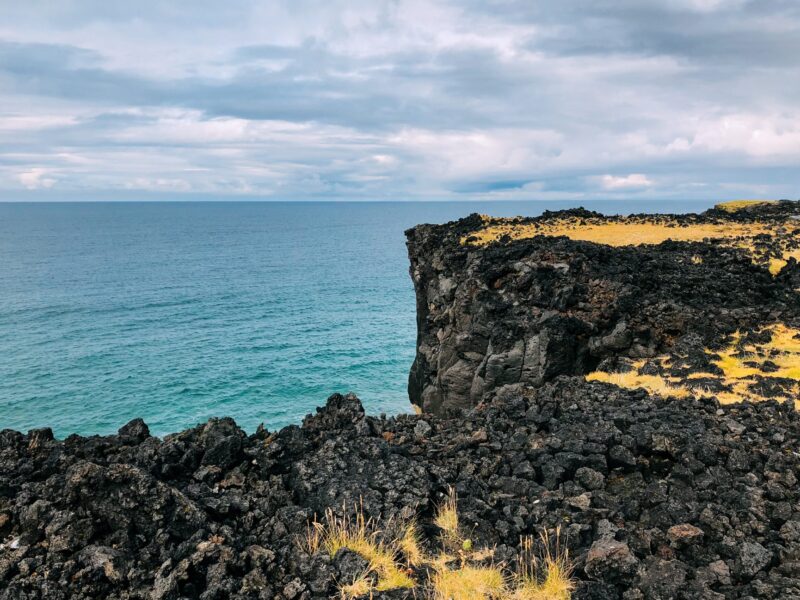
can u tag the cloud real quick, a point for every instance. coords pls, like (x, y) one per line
(769, 137)
(400, 98)
(36, 179)
(627, 182)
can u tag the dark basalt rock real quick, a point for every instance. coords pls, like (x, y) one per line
(656, 498)
(528, 310)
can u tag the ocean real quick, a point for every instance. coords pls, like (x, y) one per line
(177, 312)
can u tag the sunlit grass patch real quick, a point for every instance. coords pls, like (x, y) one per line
(546, 575)
(735, 205)
(632, 232)
(362, 586)
(410, 543)
(469, 583)
(638, 230)
(776, 264)
(739, 361)
(359, 535)
(744, 366)
(447, 519)
(632, 379)
(454, 573)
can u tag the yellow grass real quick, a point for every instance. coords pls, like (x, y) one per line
(635, 231)
(783, 350)
(741, 365)
(469, 583)
(735, 205)
(619, 233)
(544, 577)
(777, 264)
(360, 536)
(447, 518)
(360, 587)
(394, 579)
(312, 539)
(410, 544)
(632, 380)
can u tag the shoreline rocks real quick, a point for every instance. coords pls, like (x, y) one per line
(654, 498)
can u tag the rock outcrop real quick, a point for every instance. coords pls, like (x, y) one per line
(527, 307)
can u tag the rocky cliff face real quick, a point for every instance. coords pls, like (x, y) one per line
(524, 309)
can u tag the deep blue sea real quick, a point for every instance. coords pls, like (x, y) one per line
(176, 312)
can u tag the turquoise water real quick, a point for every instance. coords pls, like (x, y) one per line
(176, 312)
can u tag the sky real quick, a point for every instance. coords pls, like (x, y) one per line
(397, 99)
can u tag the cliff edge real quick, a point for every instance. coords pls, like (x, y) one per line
(522, 301)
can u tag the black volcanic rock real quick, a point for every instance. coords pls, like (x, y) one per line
(656, 498)
(528, 310)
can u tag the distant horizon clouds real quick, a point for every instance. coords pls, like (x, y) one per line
(400, 99)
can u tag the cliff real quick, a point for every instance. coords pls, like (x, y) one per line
(522, 301)
(598, 385)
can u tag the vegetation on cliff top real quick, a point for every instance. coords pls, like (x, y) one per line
(737, 205)
(768, 243)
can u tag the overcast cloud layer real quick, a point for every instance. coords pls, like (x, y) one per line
(400, 99)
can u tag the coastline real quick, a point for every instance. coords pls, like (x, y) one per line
(654, 496)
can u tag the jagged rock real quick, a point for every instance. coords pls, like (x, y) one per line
(623, 469)
(422, 429)
(136, 431)
(662, 579)
(752, 557)
(684, 534)
(610, 560)
(589, 478)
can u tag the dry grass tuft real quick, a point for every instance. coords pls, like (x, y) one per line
(469, 583)
(543, 577)
(359, 535)
(362, 586)
(447, 519)
(312, 539)
(547, 576)
(410, 544)
(395, 579)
